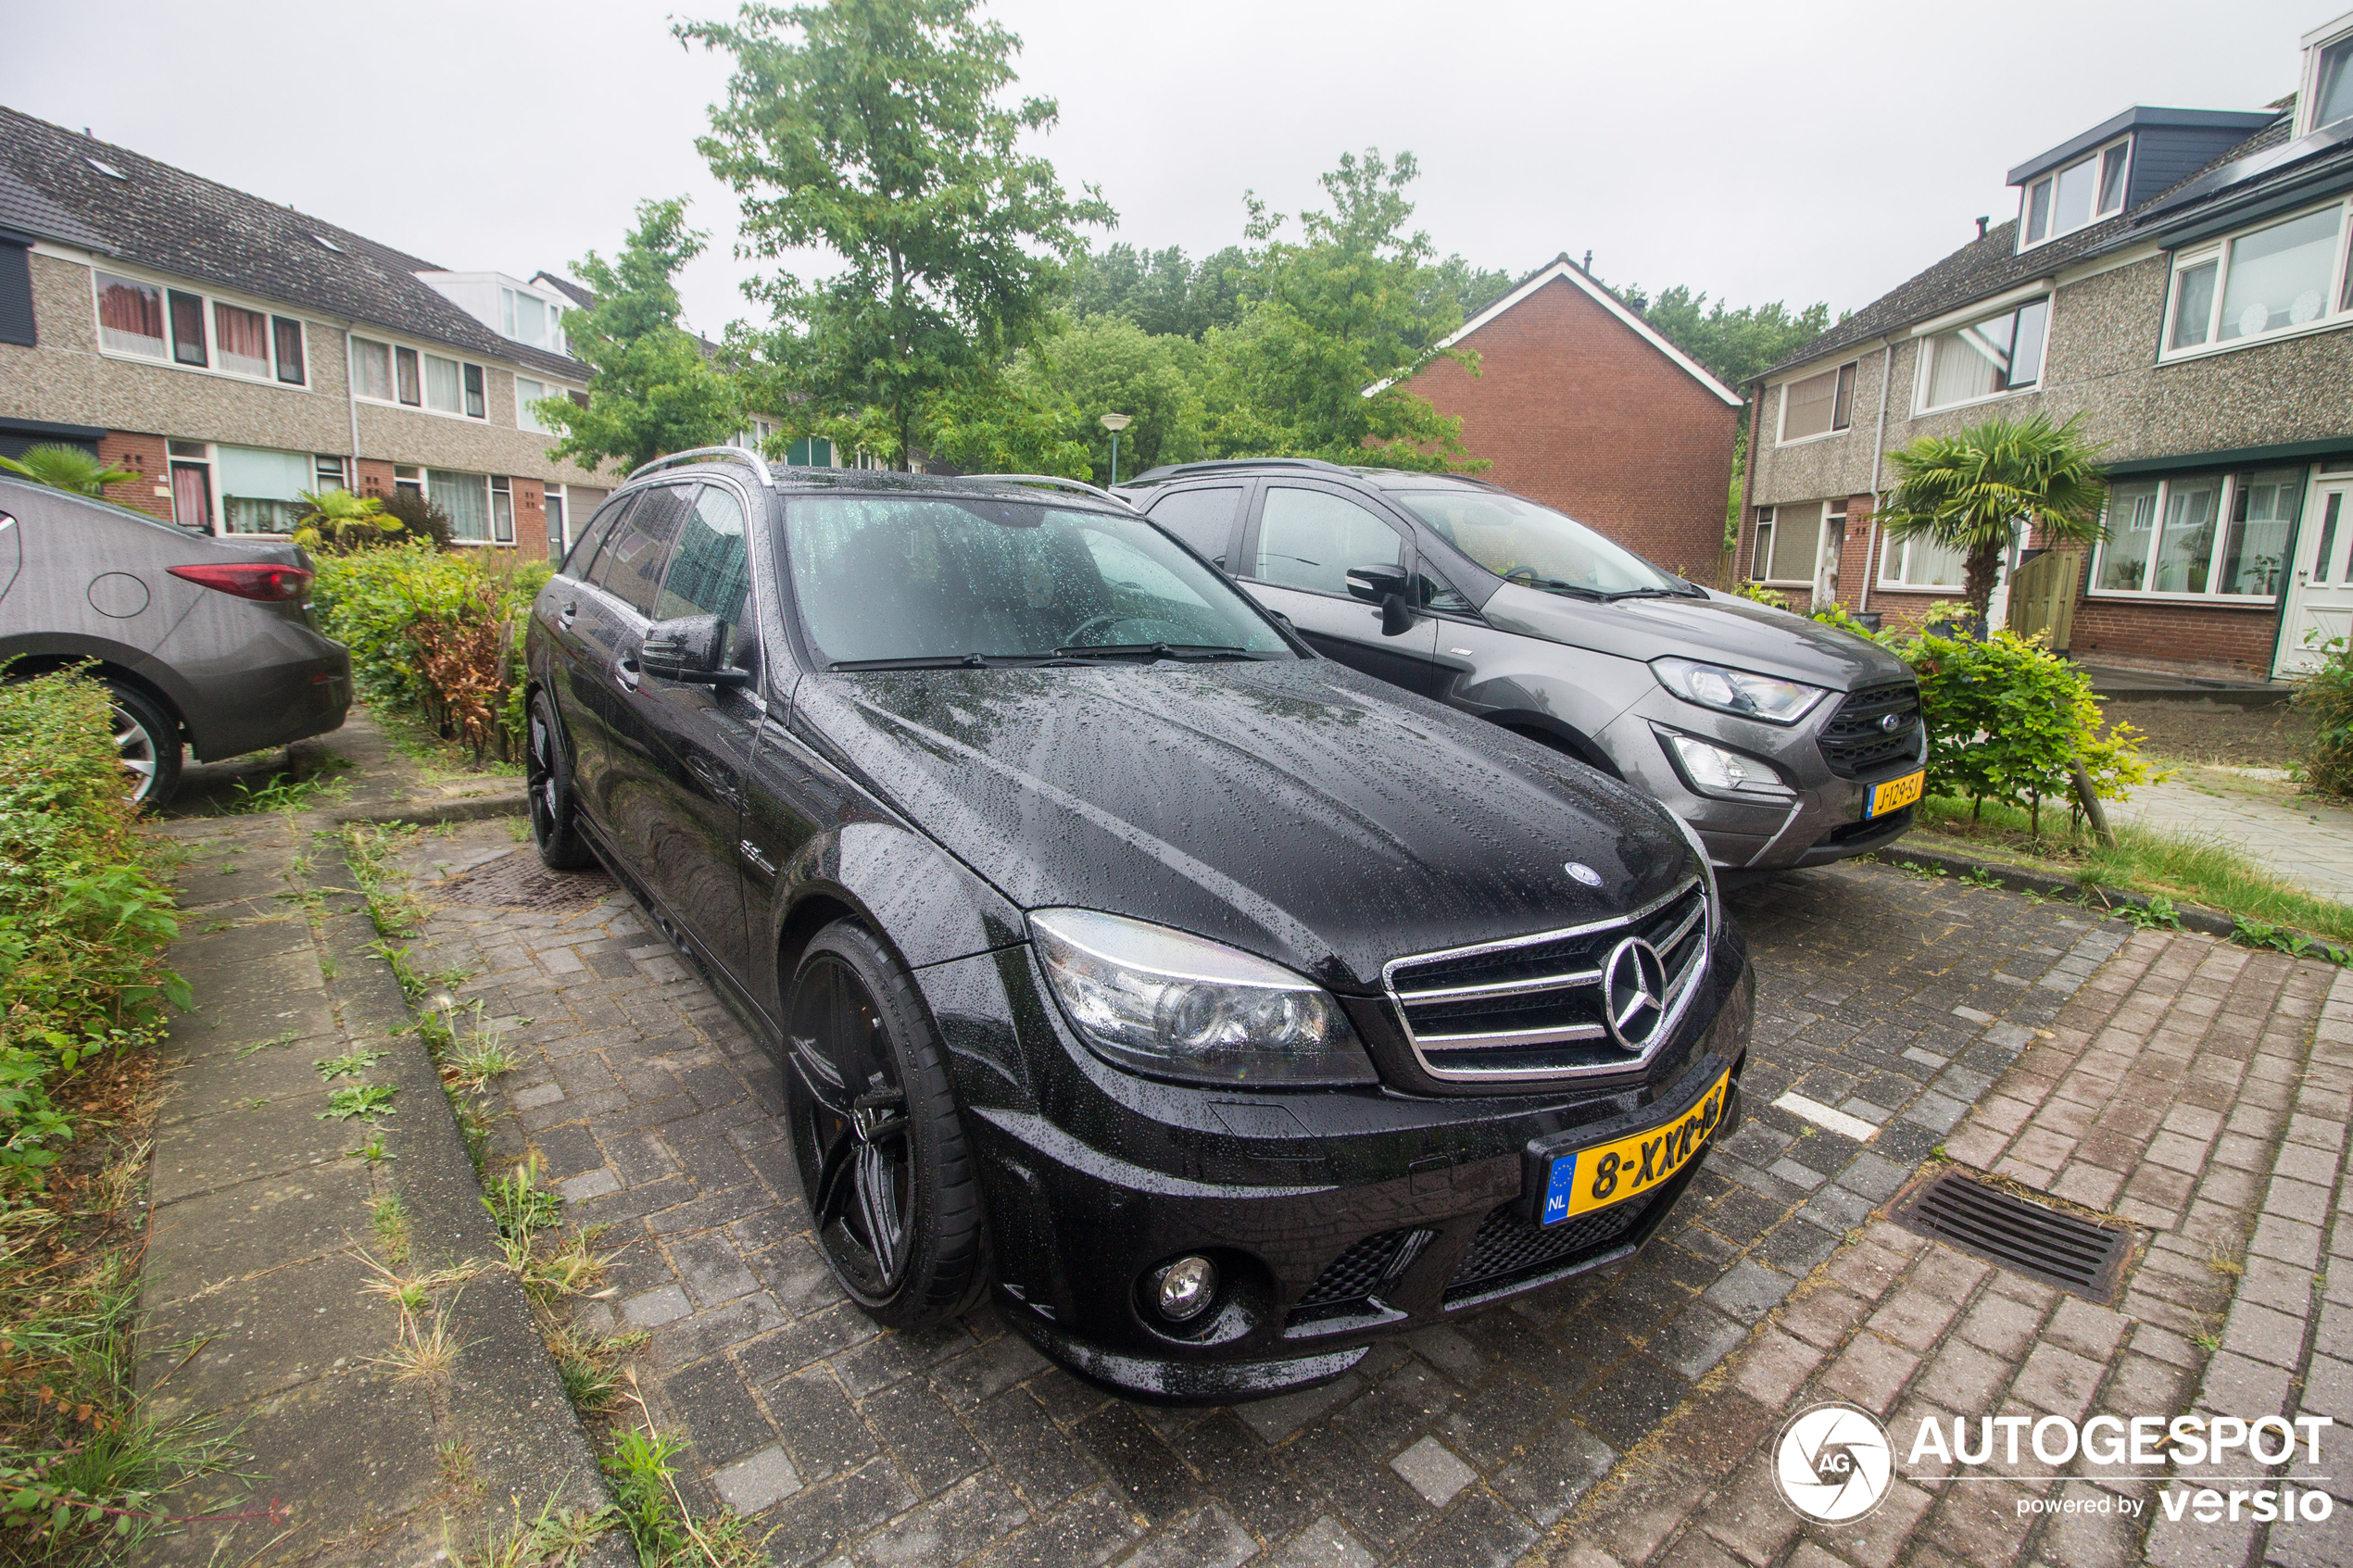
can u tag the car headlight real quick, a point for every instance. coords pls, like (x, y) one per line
(1164, 1002)
(1723, 772)
(1737, 690)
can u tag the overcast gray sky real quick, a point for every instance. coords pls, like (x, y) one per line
(1797, 151)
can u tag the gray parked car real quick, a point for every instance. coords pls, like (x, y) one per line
(1783, 741)
(205, 642)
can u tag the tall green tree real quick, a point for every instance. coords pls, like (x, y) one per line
(1348, 306)
(1733, 344)
(1972, 491)
(875, 128)
(656, 389)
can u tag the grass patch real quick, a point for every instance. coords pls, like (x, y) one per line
(2148, 860)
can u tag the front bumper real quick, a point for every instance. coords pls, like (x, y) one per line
(1334, 1217)
(1819, 819)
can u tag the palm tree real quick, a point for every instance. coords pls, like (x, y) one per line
(65, 467)
(1970, 491)
(338, 520)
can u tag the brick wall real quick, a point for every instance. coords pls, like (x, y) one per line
(375, 478)
(2233, 643)
(1576, 410)
(531, 518)
(145, 456)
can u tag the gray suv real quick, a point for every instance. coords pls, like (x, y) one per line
(1783, 741)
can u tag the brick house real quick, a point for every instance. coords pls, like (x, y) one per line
(231, 353)
(2180, 278)
(1581, 405)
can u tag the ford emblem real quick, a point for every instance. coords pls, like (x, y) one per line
(1891, 721)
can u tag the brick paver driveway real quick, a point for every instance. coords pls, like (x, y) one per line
(1894, 999)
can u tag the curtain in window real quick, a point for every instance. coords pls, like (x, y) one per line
(1797, 542)
(441, 384)
(1967, 364)
(187, 328)
(464, 497)
(371, 369)
(259, 489)
(190, 496)
(289, 336)
(1928, 564)
(2184, 551)
(1811, 402)
(2263, 511)
(129, 316)
(2280, 275)
(404, 362)
(242, 337)
(2132, 532)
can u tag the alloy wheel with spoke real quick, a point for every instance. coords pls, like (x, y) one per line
(858, 1117)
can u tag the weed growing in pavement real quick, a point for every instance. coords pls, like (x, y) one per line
(1916, 869)
(286, 1037)
(365, 1102)
(521, 1206)
(553, 1539)
(1976, 876)
(2257, 934)
(474, 1065)
(350, 1064)
(455, 1461)
(419, 1353)
(651, 1509)
(254, 1102)
(369, 851)
(292, 791)
(2158, 914)
(518, 829)
(373, 1151)
(591, 1366)
(2229, 1268)
(389, 1215)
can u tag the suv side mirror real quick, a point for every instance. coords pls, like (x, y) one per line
(691, 648)
(1384, 585)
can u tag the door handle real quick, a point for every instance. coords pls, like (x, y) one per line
(626, 671)
(571, 607)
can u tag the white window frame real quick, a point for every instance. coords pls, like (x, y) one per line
(392, 346)
(554, 389)
(507, 296)
(2225, 503)
(205, 299)
(1923, 360)
(2096, 156)
(2317, 42)
(1852, 371)
(1769, 516)
(2336, 312)
(1900, 551)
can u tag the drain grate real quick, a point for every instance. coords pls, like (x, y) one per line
(1996, 1224)
(517, 881)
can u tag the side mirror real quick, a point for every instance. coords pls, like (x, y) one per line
(691, 648)
(1374, 583)
(1397, 616)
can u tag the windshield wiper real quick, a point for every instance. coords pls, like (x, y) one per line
(1154, 650)
(1648, 593)
(1553, 585)
(950, 661)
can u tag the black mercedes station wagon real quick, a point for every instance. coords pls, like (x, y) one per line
(1219, 1006)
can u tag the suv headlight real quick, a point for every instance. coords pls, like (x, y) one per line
(1165, 1002)
(1737, 690)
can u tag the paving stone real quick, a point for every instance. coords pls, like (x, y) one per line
(757, 1482)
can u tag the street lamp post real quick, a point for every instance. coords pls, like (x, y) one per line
(1116, 423)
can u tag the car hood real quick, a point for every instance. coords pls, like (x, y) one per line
(1720, 629)
(1296, 809)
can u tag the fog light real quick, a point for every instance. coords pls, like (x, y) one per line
(1186, 1286)
(1715, 768)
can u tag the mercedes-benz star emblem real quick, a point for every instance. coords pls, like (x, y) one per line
(1583, 873)
(1634, 993)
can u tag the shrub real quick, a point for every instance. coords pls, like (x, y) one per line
(2327, 694)
(2008, 720)
(82, 923)
(419, 517)
(437, 632)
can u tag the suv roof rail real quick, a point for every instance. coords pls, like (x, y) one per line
(709, 455)
(1054, 482)
(1218, 465)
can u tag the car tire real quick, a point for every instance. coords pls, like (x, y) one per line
(554, 825)
(148, 739)
(887, 1172)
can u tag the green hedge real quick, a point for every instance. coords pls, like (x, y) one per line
(436, 633)
(82, 922)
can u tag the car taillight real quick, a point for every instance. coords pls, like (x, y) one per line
(249, 579)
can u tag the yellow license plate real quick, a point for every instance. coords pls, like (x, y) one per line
(1896, 794)
(1611, 1172)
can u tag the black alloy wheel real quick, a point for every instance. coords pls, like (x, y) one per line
(548, 781)
(148, 740)
(884, 1168)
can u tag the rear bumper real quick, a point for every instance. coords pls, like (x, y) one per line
(272, 705)
(1334, 1218)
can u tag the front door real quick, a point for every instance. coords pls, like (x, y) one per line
(2320, 598)
(1306, 542)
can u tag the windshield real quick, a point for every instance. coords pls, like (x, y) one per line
(885, 579)
(1524, 542)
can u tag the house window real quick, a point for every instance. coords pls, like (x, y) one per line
(465, 498)
(2276, 279)
(407, 477)
(262, 490)
(1918, 563)
(502, 509)
(526, 317)
(810, 452)
(372, 370)
(327, 473)
(1819, 405)
(191, 483)
(387, 373)
(405, 371)
(528, 392)
(243, 336)
(2330, 93)
(1986, 358)
(187, 329)
(2084, 192)
(286, 333)
(1789, 544)
(2210, 536)
(130, 316)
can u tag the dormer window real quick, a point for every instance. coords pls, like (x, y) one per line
(2077, 196)
(528, 318)
(2328, 75)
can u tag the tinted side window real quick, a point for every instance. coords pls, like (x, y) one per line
(631, 564)
(709, 573)
(582, 558)
(1309, 539)
(1203, 518)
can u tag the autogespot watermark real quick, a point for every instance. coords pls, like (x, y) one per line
(1835, 1462)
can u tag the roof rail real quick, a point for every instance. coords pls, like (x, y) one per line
(1219, 465)
(710, 454)
(1054, 482)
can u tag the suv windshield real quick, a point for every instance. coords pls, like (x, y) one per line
(1524, 542)
(937, 579)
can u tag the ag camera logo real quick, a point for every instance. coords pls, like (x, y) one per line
(1833, 1464)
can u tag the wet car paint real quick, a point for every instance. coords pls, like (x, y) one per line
(1297, 810)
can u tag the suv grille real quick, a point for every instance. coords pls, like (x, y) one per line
(1510, 1247)
(1533, 1008)
(1856, 740)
